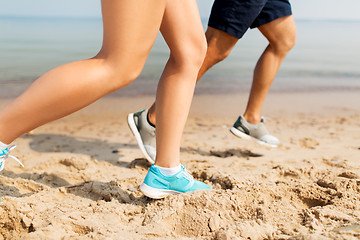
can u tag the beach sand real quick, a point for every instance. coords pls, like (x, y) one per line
(82, 174)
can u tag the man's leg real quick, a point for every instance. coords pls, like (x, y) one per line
(220, 45)
(281, 34)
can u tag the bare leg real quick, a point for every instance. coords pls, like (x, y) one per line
(281, 34)
(219, 47)
(177, 83)
(130, 29)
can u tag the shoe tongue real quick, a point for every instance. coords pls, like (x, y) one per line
(187, 174)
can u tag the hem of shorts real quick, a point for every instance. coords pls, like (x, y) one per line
(263, 22)
(228, 30)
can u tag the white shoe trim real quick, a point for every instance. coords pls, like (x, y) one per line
(136, 133)
(150, 150)
(154, 192)
(7, 155)
(240, 134)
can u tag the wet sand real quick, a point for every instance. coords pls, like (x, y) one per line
(82, 174)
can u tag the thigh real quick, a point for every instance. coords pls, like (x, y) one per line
(235, 16)
(220, 43)
(273, 9)
(130, 27)
(281, 30)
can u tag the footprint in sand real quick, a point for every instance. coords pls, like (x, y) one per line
(309, 143)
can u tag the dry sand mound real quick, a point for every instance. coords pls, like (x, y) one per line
(292, 204)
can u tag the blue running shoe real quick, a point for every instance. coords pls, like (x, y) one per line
(4, 154)
(156, 185)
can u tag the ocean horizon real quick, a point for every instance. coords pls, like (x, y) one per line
(324, 58)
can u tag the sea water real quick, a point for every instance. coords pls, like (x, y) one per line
(326, 56)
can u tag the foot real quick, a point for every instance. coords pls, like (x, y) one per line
(144, 134)
(156, 185)
(257, 132)
(4, 154)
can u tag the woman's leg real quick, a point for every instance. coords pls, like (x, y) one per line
(184, 34)
(182, 30)
(130, 29)
(219, 46)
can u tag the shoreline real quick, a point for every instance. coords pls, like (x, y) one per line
(147, 87)
(320, 102)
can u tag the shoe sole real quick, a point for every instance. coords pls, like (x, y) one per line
(155, 193)
(240, 134)
(137, 136)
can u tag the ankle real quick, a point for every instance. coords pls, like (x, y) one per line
(169, 171)
(252, 119)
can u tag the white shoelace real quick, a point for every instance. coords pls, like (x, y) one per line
(188, 175)
(6, 155)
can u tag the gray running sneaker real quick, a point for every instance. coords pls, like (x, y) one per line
(144, 134)
(257, 132)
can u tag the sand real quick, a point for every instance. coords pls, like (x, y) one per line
(82, 174)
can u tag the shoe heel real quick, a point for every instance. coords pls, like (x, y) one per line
(137, 136)
(155, 193)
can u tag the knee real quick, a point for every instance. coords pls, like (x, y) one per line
(218, 55)
(283, 44)
(123, 75)
(201, 47)
(217, 51)
(190, 56)
(118, 74)
(196, 53)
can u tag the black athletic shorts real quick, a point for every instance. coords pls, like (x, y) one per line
(236, 16)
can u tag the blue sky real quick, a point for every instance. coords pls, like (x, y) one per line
(303, 9)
